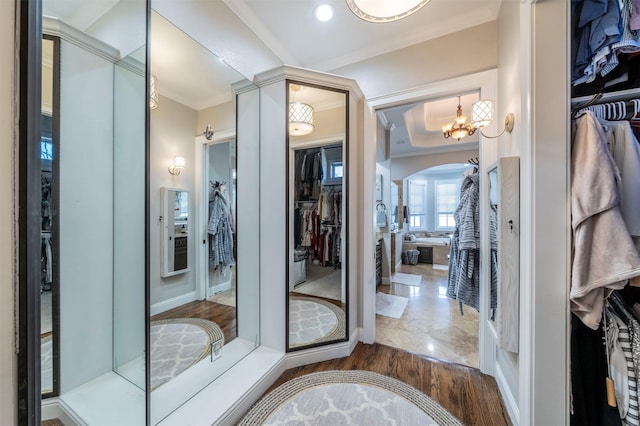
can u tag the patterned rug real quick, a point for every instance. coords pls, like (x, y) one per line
(177, 344)
(313, 321)
(347, 398)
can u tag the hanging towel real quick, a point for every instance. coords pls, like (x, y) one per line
(381, 215)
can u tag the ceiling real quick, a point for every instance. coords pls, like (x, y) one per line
(290, 31)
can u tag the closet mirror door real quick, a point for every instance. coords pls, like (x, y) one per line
(204, 313)
(317, 267)
(49, 181)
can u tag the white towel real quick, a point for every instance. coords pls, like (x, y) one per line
(381, 218)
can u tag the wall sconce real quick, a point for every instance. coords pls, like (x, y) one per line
(178, 165)
(482, 116)
(153, 92)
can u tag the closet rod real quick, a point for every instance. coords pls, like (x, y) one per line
(619, 95)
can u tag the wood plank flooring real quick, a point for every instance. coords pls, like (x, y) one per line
(465, 392)
(223, 315)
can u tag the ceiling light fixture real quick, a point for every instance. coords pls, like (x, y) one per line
(384, 10)
(459, 128)
(323, 13)
(300, 115)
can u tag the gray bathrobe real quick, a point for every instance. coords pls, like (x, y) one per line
(220, 233)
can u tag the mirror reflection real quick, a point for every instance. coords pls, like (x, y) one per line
(493, 239)
(204, 284)
(49, 232)
(318, 167)
(175, 231)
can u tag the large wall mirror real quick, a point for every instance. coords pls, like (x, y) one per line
(204, 190)
(318, 169)
(108, 296)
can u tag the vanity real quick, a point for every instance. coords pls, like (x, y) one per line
(433, 250)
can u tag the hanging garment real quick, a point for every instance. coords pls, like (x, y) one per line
(628, 404)
(599, 232)
(464, 261)
(493, 244)
(588, 373)
(625, 149)
(219, 230)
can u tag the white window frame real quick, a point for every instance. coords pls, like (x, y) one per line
(425, 185)
(436, 212)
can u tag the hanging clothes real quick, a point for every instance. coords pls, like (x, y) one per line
(219, 230)
(599, 231)
(464, 258)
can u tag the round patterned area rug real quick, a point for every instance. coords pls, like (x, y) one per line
(347, 397)
(177, 344)
(314, 320)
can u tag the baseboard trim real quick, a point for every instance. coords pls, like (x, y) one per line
(507, 396)
(55, 408)
(219, 288)
(174, 302)
(322, 353)
(242, 405)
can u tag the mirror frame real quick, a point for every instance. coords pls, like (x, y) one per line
(345, 203)
(166, 235)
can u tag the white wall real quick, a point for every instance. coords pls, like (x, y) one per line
(509, 100)
(431, 61)
(172, 134)
(221, 117)
(86, 215)
(8, 381)
(406, 166)
(544, 289)
(272, 216)
(129, 218)
(248, 216)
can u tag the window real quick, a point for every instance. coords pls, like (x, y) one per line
(46, 148)
(336, 170)
(446, 201)
(417, 204)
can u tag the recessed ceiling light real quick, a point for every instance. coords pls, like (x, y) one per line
(324, 12)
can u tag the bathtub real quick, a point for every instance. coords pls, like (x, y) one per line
(433, 241)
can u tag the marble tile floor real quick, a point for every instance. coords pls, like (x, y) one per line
(431, 323)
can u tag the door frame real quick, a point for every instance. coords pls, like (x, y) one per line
(201, 207)
(486, 83)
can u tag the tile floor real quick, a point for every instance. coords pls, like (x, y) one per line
(431, 323)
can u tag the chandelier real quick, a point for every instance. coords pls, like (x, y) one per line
(459, 128)
(384, 10)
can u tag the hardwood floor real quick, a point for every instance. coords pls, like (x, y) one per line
(465, 392)
(223, 315)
